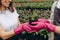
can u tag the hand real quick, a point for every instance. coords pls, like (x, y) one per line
(43, 24)
(18, 30)
(50, 27)
(38, 26)
(27, 28)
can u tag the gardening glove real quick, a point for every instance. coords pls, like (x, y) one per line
(18, 30)
(47, 26)
(38, 26)
(27, 28)
(50, 27)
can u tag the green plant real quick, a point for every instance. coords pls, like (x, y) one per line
(29, 0)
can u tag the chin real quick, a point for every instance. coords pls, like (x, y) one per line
(7, 6)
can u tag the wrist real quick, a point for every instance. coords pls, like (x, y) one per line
(18, 30)
(13, 32)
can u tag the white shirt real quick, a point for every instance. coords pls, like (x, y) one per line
(8, 20)
(58, 4)
(55, 4)
(52, 11)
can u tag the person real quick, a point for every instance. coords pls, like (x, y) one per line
(8, 20)
(54, 18)
(10, 26)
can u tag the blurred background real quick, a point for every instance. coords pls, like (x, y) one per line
(40, 8)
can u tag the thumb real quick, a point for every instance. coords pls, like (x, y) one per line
(26, 28)
(34, 22)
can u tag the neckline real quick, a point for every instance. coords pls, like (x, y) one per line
(4, 11)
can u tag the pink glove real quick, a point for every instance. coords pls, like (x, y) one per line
(18, 30)
(27, 28)
(50, 27)
(39, 25)
(43, 20)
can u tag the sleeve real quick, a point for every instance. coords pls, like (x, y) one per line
(52, 12)
(15, 13)
(58, 4)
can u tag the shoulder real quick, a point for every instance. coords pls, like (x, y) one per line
(14, 8)
(58, 4)
(15, 13)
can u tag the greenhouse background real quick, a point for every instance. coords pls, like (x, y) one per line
(38, 8)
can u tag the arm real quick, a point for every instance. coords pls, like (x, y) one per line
(19, 24)
(48, 26)
(5, 35)
(57, 30)
(52, 28)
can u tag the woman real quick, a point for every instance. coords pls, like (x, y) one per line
(10, 26)
(9, 21)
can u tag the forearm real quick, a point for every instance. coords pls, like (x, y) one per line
(57, 30)
(6, 35)
(11, 33)
(19, 23)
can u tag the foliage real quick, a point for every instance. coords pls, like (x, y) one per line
(28, 0)
(33, 5)
(24, 14)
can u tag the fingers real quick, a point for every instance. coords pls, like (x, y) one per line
(26, 28)
(30, 28)
(34, 27)
(50, 27)
(38, 26)
(34, 22)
